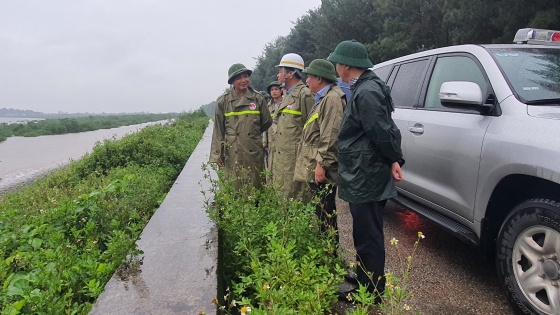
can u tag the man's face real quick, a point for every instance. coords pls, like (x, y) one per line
(314, 83)
(241, 82)
(342, 71)
(282, 74)
(275, 92)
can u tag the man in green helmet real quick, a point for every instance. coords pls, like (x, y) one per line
(369, 159)
(241, 117)
(290, 118)
(268, 137)
(317, 162)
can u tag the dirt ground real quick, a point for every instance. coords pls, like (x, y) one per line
(448, 276)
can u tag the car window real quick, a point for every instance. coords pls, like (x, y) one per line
(383, 72)
(407, 83)
(452, 68)
(532, 73)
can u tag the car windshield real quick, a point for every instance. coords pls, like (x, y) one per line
(534, 73)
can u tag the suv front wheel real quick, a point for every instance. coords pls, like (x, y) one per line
(528, 259)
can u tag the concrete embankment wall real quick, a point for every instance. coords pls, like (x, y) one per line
(180, 244)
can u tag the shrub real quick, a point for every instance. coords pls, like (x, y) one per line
(275, 258)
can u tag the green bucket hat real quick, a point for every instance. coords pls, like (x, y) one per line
(351, 53)
(237, 69)
(321, 68)
(272, 84)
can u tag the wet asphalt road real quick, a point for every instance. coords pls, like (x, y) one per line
(448, 276)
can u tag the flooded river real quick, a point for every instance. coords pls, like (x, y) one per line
(24, 159)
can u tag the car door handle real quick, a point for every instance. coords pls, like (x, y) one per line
(416, 129)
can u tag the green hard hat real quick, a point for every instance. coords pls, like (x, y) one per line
(351, 53)
(321, 68)
(273, 83)
(237, 69)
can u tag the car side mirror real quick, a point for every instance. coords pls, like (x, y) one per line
(460, 94)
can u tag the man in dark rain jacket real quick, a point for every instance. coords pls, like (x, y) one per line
(369, 159)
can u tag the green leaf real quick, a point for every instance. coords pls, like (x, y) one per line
(18, 305)
(50, 266)
(15, 289)
(101, 267)
(36, 243)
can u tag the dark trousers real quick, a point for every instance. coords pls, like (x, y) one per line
(369, 243)
(327, 205)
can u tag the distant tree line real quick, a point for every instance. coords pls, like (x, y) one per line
(210, 108)
(393, 28)
(79, 124)
(26, 113)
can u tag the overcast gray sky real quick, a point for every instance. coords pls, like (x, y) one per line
(131, 55)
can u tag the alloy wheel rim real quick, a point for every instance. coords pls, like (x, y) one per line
(536, 267)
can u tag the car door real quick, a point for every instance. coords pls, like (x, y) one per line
(443, 145)
(406, 84)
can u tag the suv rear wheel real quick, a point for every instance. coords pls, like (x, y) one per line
(528, 259)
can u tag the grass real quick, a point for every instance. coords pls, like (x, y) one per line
(62, 238)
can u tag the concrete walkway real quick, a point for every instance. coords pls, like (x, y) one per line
(180, 244)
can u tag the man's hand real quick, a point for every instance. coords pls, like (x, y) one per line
(396, 172)
(320, 174)
(220, 165)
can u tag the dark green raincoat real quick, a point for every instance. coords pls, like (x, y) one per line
(368, 143)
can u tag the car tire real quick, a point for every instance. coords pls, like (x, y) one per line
(528, 257)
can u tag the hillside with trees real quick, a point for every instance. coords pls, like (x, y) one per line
(393, 28)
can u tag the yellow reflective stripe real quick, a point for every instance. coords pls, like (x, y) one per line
(291, 111)
(311, 119)
(291, 63)
(243, 112)
(271, 115)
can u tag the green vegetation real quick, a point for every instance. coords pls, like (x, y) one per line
(275, 259)
(80, 124)
(62, 238)
(393, 28)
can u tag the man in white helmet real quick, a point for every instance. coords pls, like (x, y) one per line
(290, 117)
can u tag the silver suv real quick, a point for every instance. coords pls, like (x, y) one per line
(480, 131)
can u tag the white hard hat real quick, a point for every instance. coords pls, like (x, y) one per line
(291, 61)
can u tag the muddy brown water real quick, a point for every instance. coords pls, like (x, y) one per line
(22, 160)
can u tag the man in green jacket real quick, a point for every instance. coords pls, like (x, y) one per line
(317, 163)
(241, 117)
(289, 119)
(369, 157)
